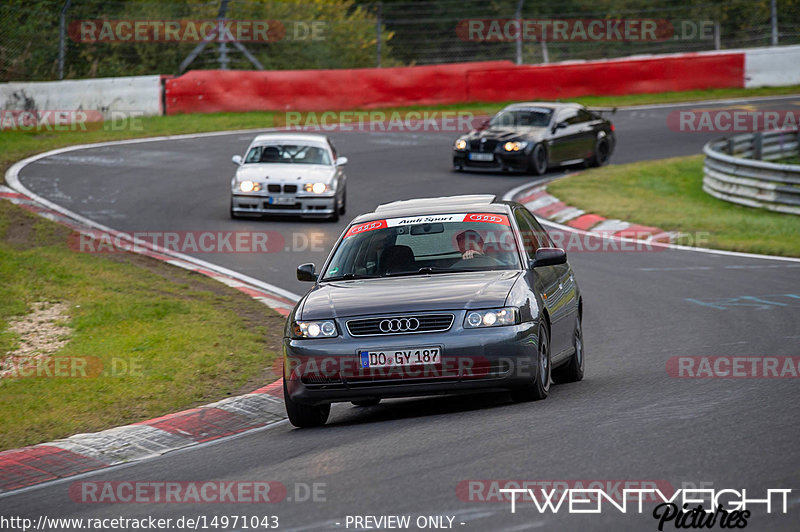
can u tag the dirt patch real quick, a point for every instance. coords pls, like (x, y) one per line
(41, 333)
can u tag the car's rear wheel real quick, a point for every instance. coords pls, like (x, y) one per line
(367, 402)
(538, 161)
(303, 416)
(602, 152)
(573, 370)
(539, 386)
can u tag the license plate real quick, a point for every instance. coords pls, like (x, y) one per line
(281, 200)
(481, 156)
(401, 357)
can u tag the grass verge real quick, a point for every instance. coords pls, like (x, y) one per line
(165, 338)
(668, 194)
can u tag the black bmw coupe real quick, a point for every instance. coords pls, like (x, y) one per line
(532, 137)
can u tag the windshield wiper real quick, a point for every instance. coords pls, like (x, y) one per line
(349, 276)
(426, 269)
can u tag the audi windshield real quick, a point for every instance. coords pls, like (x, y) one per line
(424, 245)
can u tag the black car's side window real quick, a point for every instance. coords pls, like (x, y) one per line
(570, 116)
(585, 116)
(528, 234)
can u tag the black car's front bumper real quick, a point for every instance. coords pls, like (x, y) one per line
(514, 161)
(320, 371)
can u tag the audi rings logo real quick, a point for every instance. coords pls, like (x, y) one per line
(399, 325)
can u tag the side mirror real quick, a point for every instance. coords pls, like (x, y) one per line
(549, 257)
(236, 159)
(341, 161)
(306, 272)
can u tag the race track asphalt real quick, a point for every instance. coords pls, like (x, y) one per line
(628, 420)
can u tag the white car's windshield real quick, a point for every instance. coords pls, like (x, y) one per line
(288, 153)
(393, 247)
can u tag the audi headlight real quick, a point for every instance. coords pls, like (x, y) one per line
(249, 186)
(316, 188)
(515, 146)
(461, 144)
(314, 329)
(491, 318)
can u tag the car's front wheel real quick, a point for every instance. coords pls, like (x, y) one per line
(539, 387)
(303, 416)
(573, 370)
(234, 216)
(343, 206)
(538, 161)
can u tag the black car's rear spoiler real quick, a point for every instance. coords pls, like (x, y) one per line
(611, 110)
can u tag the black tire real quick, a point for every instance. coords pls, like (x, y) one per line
(304, 416)
(335, 216)
(539, 386)
(367, 402)
(573, 370)
(537, 165)
(343, 206)
(234, 216)
(602, 153)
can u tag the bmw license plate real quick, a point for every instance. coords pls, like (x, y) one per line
(281, 200)
(481, 156)
(401, 357)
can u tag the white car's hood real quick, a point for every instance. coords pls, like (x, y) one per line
(277, 172)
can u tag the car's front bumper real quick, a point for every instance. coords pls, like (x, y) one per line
(320, 371)
(508, 161)
(287, 204)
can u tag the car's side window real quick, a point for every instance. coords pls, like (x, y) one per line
(570, 116)
(585, 116)
(542, 238)
(529, 241)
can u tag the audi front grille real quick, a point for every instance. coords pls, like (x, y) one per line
(411, 324)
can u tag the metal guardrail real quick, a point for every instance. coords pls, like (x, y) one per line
(736, 170)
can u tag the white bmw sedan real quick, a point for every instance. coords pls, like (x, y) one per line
(289, 174)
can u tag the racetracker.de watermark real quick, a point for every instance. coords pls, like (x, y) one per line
(195, 492)
(96, 241)
(583, 30)
(69, 367)
(734, 367)
(496, 490)
(380, 121)
(732, 120)
(61, 120)
(182, 31)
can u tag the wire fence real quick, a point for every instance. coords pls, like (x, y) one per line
(54, 39)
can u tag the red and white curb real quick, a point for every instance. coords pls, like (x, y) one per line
(544, 205)
(82, 453)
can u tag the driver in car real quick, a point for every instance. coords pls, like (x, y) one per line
(470, 244)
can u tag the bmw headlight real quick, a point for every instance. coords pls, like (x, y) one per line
(515, 146)
(316, 188)
(461, 144)
(249, 186)
(490, 318)
(314, 329)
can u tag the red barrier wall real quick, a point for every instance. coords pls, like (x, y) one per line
(208, 91)
(672, 73)
(495, 81)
